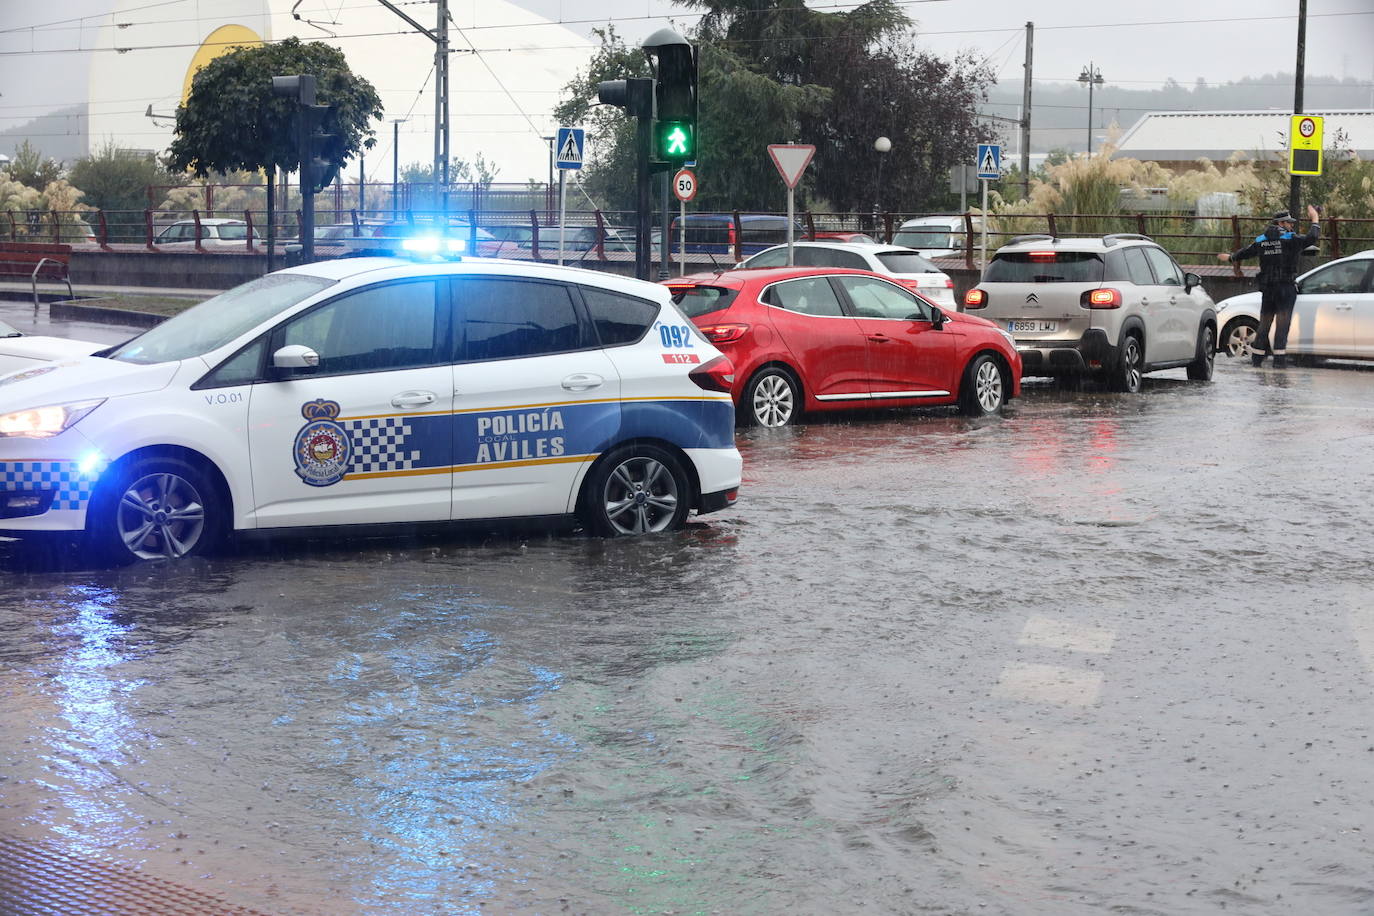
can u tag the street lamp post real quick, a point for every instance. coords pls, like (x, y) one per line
(396, 166)
(1093, 77)
(882, 146)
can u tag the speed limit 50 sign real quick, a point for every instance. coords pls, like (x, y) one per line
(1305, 145)
(685, 185)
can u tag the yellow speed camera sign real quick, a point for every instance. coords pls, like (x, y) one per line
(1305, 145)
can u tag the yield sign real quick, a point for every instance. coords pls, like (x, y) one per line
(791, 160)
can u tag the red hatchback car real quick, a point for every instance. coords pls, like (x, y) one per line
(809, 339)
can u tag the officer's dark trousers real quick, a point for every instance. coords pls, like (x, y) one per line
(1276, 309)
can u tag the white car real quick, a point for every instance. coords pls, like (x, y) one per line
(1333, 315)
(376, 390)
(215, 234)
(20, 351)
(903, 265)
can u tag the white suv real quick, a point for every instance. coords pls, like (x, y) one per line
(376, 391)
(1117, 307)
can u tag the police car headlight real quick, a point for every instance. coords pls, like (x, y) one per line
(45, 422)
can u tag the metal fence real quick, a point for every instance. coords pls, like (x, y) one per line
(532, 232)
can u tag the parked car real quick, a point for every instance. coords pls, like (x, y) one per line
(808, 339)
(1116, 307)
(19, 351)
(714, 233)
(215, 233)
(901, 264)
(376, 391)
(937, 236)
(838, 236)
(1332, 317)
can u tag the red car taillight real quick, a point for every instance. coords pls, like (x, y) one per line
(1105, 298)
(716, 375)
(975, 299)
(724, 333)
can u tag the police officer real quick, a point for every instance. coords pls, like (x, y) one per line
(1279, 248)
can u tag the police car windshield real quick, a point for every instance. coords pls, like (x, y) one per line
(216, 322)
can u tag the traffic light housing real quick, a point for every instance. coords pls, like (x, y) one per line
(319, 167)
(636, 96)
(675, 97)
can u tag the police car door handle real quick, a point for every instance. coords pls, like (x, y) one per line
(414, 399)
(582, 381)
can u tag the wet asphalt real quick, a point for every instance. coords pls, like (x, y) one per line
(1106, 653)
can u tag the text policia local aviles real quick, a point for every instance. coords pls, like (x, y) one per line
(494, 444)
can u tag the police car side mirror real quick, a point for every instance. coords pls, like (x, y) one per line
(295, 356)
(1190, 281)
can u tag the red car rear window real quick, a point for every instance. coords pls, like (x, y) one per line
(695, 301)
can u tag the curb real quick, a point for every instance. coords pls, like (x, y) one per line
(70, 310)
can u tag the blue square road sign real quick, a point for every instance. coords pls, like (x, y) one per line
(989, 161)
(568, 147)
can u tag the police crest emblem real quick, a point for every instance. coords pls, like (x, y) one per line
(322, 449)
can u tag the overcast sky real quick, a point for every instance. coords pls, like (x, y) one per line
(1133, 43)
(502, 96)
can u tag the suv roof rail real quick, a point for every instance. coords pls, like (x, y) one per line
(1032, 238)
(1115, 237)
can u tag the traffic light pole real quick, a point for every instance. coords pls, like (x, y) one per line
(643, 199)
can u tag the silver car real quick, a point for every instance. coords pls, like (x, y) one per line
(1116, 306)
(1332, 317)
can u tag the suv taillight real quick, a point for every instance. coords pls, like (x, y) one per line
(716, 375)
(975, 299)
(1104, 298)
(724, 333)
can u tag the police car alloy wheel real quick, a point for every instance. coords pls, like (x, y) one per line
(156, 509)
(636, 490)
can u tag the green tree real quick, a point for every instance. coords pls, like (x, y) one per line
(231, 120)
(608, 172)
(32, 169)
(118, 179)
(775, 71)
(480, 171)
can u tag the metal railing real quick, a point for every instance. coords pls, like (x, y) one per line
(607, 236)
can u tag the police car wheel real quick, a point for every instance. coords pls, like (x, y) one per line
(1200, 369)
(161, 508)
(981, 393)
(638, 489)
(771, 399)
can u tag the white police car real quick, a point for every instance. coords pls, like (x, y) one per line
(370, 391)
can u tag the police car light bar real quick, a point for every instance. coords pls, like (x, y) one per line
(428, 246)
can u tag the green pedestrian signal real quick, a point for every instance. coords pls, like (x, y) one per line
(675, 141)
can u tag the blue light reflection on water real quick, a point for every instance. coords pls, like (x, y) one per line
(93, 698)
(426, 788)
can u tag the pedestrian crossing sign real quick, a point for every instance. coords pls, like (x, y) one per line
(568, 147)
(989, 161)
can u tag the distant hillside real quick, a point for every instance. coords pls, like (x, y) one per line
(1059, 116)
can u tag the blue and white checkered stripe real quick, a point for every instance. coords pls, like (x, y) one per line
(377, 445)
(72, 485)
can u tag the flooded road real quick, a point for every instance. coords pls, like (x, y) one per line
(1107, 653)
